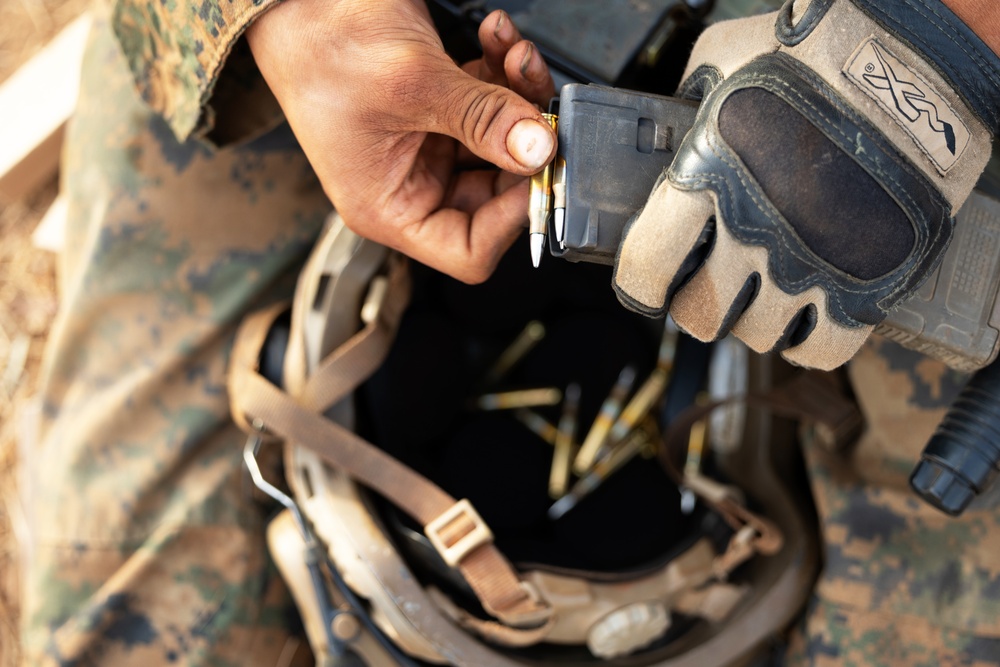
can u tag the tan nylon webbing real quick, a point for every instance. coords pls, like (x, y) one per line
(343, 370)
(252, 397)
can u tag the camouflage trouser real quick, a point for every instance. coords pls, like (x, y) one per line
(902, 583)
(148, 545)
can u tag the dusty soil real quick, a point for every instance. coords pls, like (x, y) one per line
(27, 301)
(27, 304)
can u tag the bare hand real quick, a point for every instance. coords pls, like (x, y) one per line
(378, 105)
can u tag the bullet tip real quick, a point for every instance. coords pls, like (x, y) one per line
(537, 243)
(560, 216)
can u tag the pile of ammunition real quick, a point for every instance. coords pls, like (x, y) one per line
(624, 428)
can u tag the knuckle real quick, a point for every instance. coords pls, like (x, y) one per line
(402, 82)
(482, 109)
(484, 262)
(478, 273)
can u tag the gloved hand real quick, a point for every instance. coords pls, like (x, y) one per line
(835, 141)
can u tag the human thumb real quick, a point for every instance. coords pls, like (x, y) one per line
(493, 122)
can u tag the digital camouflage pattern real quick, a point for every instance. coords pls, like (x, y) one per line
(903, 584)
(176, 50)
(148, 547)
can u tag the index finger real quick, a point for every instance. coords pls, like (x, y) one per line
(497, 34)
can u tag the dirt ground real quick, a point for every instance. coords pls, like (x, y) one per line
(27, 300)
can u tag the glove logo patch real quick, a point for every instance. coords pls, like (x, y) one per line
(911, 101)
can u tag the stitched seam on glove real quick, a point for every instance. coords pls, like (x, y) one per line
(791, 34)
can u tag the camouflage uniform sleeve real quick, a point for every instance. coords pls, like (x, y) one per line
(191, 67)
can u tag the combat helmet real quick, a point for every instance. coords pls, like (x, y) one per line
(418, 529)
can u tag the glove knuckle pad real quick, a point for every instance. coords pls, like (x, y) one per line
(816, 186)
(800, 172)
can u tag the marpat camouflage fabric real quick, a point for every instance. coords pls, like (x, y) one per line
(903, 585)
(148, 545)
(176, 49)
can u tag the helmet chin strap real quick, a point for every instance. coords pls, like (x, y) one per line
(368, 607)
(459, 534)
(340, 653)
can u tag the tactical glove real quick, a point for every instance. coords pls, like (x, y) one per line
(834, 143)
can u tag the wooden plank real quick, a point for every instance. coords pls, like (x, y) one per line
(35, 103)
(50, 232)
